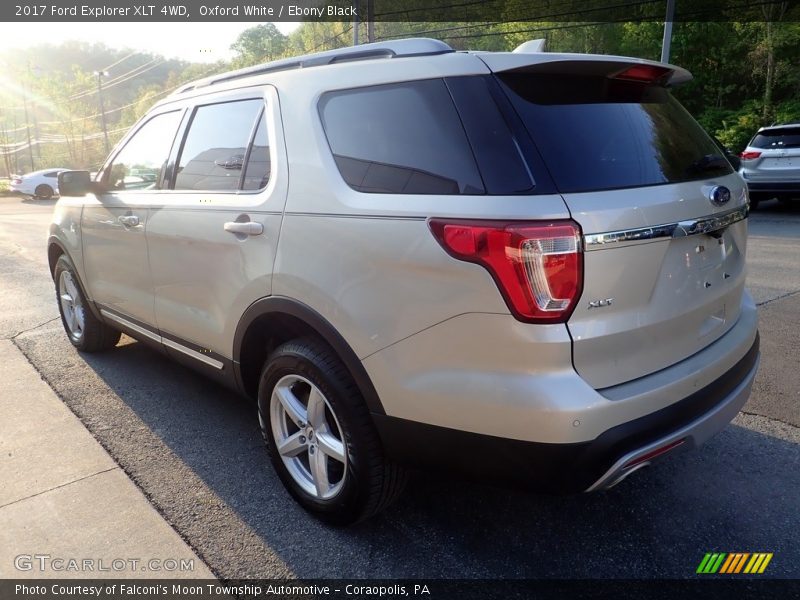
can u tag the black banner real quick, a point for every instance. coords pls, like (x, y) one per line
(455, 11)
(752, 588)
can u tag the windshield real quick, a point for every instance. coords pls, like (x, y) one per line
(596, 133)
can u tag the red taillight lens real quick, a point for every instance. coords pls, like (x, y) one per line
(749, 155)
(646, 73)
(537, 266)
(16, 181)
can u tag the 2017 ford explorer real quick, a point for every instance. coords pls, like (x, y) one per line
(526, 267)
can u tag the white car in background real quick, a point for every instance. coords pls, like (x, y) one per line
(39, 184)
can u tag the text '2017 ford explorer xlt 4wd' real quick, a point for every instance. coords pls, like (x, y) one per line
(526, 267)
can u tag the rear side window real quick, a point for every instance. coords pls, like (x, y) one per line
(777, 139)
(402, 138)
(595, 133)
(256, 174)
(213, 153)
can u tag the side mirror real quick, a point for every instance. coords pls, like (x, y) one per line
(74, 183)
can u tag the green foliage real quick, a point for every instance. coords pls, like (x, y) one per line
(259, 44)
(738, 127)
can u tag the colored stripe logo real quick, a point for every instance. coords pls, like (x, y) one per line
(731, 563)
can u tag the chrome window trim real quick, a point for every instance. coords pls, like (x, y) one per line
(707, 224)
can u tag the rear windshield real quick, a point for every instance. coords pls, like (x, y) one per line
(777, 138)
(595, 133)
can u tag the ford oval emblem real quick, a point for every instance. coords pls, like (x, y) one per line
(719, 195)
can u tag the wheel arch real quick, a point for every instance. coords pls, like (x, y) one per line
(55, 250)
(270, 321)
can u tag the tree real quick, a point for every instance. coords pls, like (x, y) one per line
(259, 44)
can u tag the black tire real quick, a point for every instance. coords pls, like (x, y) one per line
(43, 191)
(370, 481)
(94, 336)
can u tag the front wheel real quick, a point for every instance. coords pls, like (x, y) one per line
(85, 331)
(320, 436)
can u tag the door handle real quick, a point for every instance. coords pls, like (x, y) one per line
(129, 220)
(246, 228)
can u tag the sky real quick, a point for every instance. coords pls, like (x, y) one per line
(195, 42)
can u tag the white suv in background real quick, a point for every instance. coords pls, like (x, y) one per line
(771, 163)
(523, 267)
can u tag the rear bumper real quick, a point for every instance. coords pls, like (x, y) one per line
(776, 187)
(574, 467)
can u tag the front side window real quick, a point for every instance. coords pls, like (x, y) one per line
(213, 154)
(141, 162)
(403, 138)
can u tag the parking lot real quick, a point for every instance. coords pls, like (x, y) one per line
(195, 451)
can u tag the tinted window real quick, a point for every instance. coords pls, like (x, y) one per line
(401, 138)
(214, 149)
(52, 174)
(498, 153)
(256, 174)
(595, 133)
(141, 162)
(777, 138)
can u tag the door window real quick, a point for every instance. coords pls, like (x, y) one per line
(141, 162)
(256, 175)
(213, 153)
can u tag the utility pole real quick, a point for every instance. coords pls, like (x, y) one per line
(34, 70)
(28, 125)
(370, 21)
(6, 153)
(355, 23)
(100, 75)
(667, 41)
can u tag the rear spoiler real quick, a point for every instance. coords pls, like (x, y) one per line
(619, 67)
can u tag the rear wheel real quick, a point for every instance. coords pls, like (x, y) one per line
(320, 436)
(84, 330)
(43, 191)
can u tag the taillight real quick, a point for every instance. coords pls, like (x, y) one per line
(645, 73)
(749, 155)
(537, 266)
(16, 181)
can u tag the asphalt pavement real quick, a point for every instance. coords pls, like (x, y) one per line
(194, 449)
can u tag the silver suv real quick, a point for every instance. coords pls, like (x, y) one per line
(523, 267)
(771, 163)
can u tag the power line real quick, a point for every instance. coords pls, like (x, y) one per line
(121, 78)
(124, 58)
(331, 40)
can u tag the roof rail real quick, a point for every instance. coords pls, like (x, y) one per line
(389, 49)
